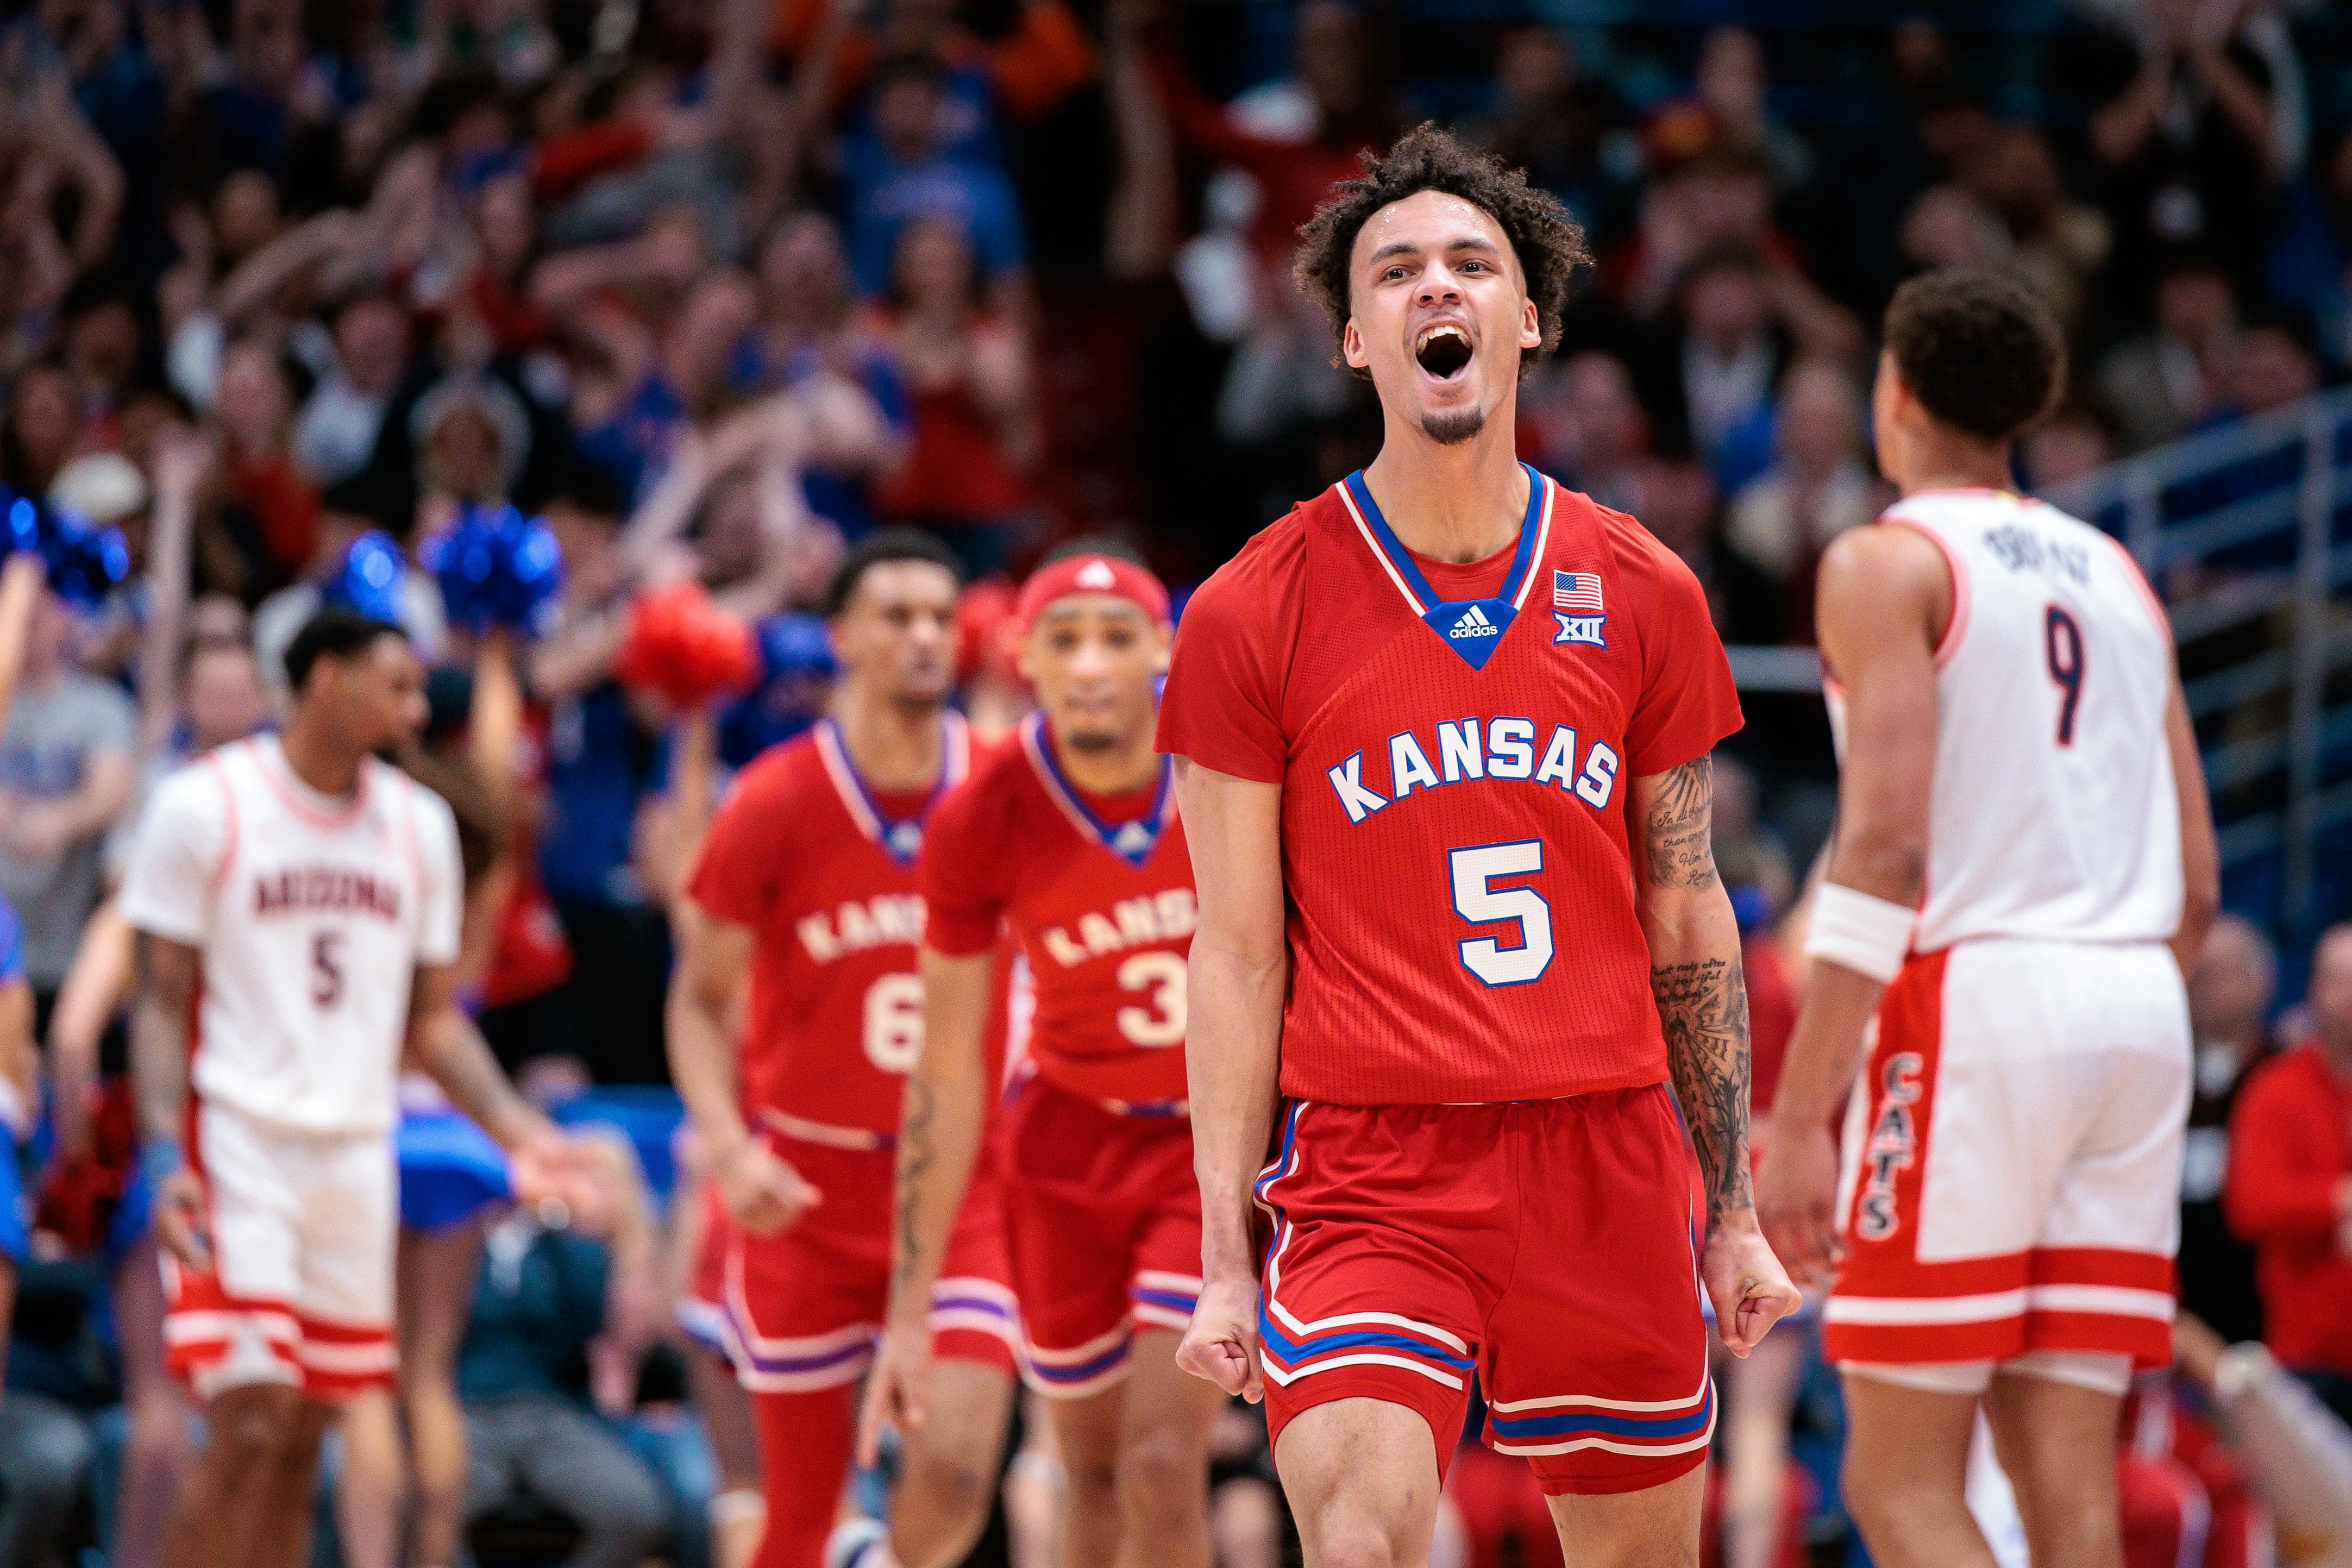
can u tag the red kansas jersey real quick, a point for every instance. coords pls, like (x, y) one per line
(1455, 745)
(805, 854)
(1098, 893)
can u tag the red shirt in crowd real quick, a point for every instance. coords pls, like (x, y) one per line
(2290, 1155)
(283, 506)
(956, 472)
(1456, 747)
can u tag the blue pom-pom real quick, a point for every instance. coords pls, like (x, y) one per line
(534, 576)
(83, 564)
(497, 568)
(20, 530)
(794, 645)
(371, 578)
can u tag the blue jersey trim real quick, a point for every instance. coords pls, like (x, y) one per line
(1522, 557)
(1153, 822)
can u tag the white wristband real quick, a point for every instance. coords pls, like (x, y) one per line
(1867, 934)
(15, 1119)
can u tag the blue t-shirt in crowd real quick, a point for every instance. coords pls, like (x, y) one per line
(885, 194)
(844, 500)
(634, 444)
(599, 765)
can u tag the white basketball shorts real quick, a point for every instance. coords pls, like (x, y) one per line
(2012, 1170)
(299, 1289)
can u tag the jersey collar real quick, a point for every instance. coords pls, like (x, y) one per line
(268, 753)
(900, 838)
(1132, 842)
(1471, 627)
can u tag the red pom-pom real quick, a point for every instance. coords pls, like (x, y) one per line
(987, 638)
(684, 647)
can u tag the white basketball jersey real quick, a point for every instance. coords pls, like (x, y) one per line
(312, 914)
(2052, 813)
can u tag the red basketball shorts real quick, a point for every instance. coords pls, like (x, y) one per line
(2013, 1158)
(1545, 1245)
(1104, 1217)
(799, 1309)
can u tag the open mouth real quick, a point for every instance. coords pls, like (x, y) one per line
(1443, 351)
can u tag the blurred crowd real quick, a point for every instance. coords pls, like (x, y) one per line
(713, 286)
(377, 262)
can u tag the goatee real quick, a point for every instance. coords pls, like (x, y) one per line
(1453, 426)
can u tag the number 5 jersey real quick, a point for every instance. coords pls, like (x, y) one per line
(312, 914)
(1456, 746)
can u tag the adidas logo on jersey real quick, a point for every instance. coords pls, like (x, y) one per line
(1474, 623)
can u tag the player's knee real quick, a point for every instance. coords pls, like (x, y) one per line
(1885, 1495)
(948, 1479)
(1162, 1475)
(1091, 1480)
(2063, 1478)
(298, 1454)
(1245, 1522)
(251, 1428)
(1358, 1543)
(2067, 1504)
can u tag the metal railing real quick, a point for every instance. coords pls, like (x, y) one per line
(2247, 532)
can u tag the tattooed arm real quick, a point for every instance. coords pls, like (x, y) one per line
(1702, 997)
(939, 1124)
(1695, 976)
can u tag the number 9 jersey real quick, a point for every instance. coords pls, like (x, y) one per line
(2053, 813)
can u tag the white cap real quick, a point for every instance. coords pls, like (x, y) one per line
(101, 489)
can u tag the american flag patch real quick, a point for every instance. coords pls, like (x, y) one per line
(1576, 591)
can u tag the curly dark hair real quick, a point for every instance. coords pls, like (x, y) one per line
(1980, 350)
(1548, 243)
